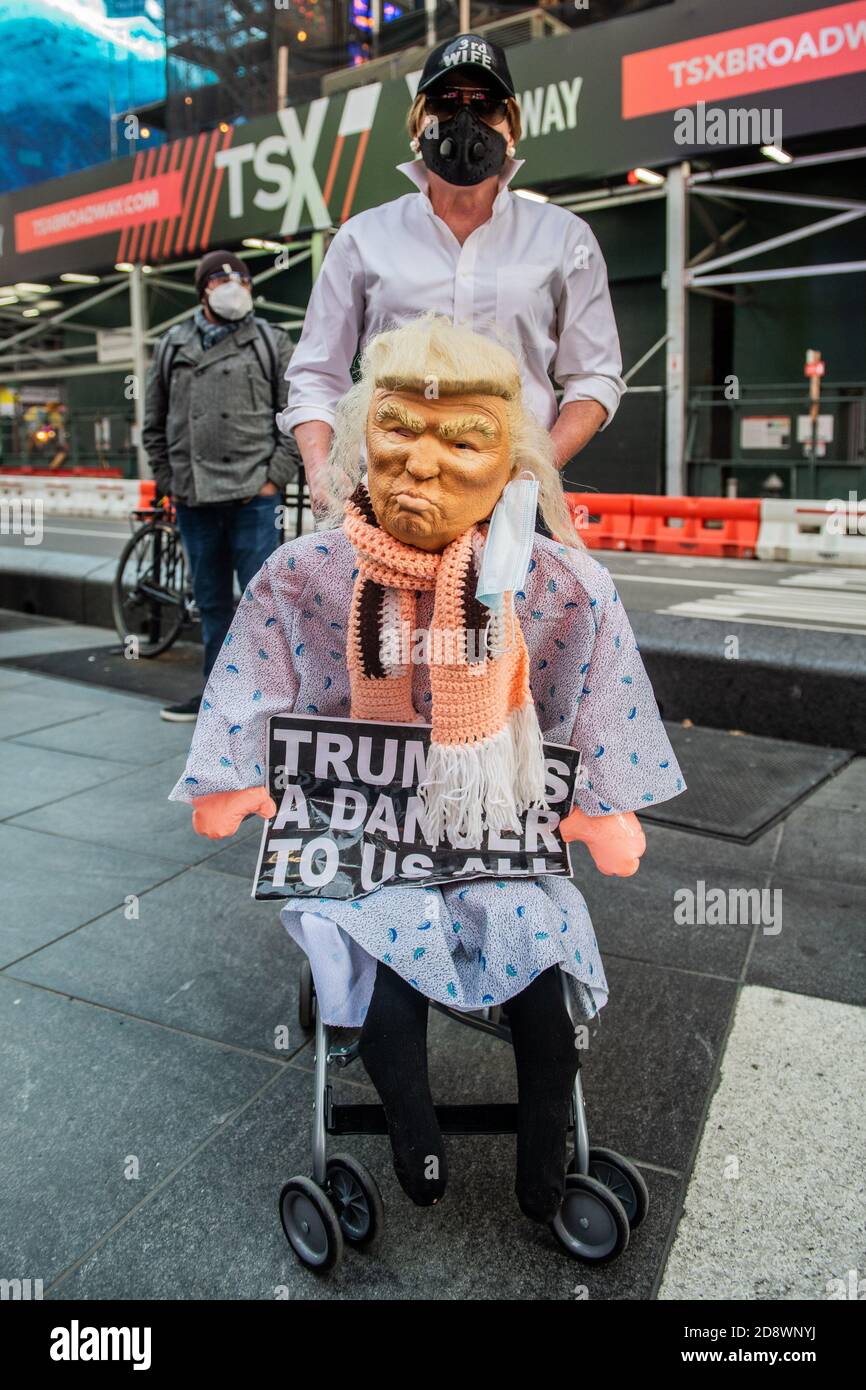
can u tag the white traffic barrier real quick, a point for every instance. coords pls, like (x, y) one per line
(813, 532)
(112, 496)
(101, 497)
(65, 496)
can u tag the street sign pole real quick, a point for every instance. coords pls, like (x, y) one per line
(814, 370)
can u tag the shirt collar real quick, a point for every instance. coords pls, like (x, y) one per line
(416, 170)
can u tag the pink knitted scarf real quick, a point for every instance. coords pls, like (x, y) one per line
(485, 765)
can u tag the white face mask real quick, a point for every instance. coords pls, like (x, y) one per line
(231, 300)
(508, 549)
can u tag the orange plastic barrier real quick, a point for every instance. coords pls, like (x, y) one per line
(604, 519)
(713, 526)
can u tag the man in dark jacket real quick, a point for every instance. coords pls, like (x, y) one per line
(212, 391)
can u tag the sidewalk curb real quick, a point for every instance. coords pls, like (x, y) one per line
(812, 694)
(57, 584)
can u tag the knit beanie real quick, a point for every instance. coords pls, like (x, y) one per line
(213, 261)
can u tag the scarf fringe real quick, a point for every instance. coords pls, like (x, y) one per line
(472, 788)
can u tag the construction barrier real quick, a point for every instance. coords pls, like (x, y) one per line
(603, 518)
(712, 526)
(27, 471)
(95, 495)
(804, 532)
(813, 533)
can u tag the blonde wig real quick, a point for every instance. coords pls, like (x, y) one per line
(433, 357)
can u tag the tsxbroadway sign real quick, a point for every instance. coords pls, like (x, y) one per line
(594, 103)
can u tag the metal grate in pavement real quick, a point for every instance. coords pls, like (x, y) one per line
(738, 784)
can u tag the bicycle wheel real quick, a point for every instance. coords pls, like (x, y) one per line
(149, 592)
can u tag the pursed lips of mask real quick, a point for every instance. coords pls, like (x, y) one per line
(411, 501)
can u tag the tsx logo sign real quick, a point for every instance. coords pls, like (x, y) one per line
(283, 165)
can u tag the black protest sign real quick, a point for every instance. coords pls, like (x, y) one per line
(349, 818)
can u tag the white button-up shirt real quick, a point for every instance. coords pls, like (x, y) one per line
(532, 271)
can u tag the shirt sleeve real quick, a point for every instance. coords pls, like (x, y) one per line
(320, 371)
(253, 677)
(588, 361)
(628, 762)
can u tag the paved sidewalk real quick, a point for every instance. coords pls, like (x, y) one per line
(149, 1121)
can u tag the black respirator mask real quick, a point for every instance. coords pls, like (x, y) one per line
(465, 151)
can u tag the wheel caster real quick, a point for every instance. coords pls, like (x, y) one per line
(623, 1179)
(311, 1225)
(306, 997)
(591, 1224)
(356, 1199)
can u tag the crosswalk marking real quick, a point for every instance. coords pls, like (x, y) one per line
(627, 578)
(848, 580)
(825, 610)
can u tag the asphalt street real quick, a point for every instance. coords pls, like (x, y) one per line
(822, 598)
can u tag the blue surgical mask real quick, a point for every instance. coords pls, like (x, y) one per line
(508, 549)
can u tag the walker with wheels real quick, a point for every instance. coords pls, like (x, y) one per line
(605, 1196)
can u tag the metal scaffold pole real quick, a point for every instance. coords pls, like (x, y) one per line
(677, 325)
(138, 321)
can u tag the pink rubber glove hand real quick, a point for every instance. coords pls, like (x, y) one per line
(616, 842)
(220, 814)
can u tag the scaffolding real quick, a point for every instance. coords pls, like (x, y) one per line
(714, 266)
(38, 352)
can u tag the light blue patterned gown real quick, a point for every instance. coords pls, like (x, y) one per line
(472, 944)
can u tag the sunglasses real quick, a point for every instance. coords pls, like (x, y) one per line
(444, 104)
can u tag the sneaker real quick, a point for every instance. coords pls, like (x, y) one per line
(185, 713)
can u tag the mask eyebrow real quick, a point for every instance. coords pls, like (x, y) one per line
(396, 410)
(467, 424)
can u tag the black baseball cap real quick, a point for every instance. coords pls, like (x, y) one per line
(467, 51)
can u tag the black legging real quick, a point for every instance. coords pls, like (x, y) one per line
(393, 1047)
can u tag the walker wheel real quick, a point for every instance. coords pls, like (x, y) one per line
(624, 1181)
(591, 1224)
(311, 1225)
(306, 997)
(357, 1200)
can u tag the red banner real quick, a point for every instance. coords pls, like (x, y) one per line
(757, 58)
(109, 210)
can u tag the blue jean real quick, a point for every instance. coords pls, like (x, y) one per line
(223, 539)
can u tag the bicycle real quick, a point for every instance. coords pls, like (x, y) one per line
(152, 599)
